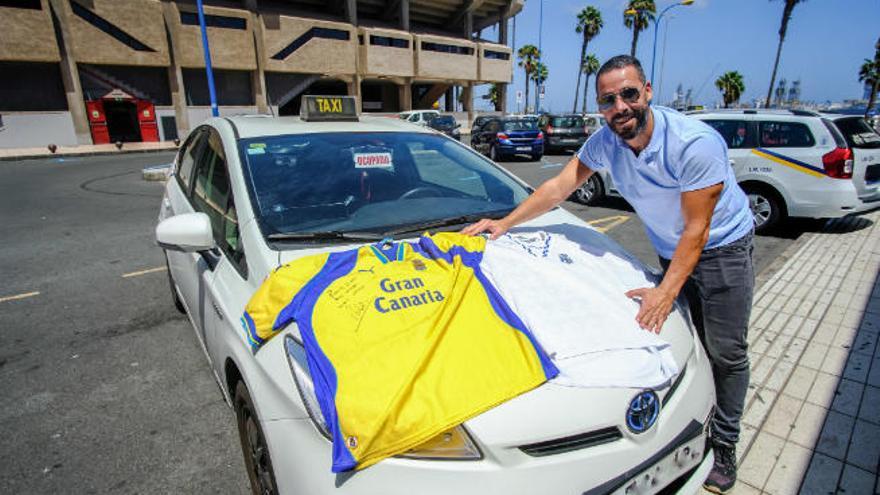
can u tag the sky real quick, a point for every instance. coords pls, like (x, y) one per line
(826, 43)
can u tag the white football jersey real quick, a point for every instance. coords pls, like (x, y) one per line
(555, 286)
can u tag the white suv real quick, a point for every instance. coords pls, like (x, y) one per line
(791, 163)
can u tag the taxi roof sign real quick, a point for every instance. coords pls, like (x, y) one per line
(316, 108)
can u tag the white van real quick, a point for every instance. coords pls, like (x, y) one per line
(791, 163)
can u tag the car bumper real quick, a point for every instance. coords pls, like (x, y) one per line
(834, 199)
(301, 457)
(560, 142)
(521, 149)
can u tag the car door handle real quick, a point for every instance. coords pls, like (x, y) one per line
(217, 310)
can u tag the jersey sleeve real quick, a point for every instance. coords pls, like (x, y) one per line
(269, 309)
(703, 163)
(590, 153)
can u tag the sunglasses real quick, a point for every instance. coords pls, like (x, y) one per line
(628, 95)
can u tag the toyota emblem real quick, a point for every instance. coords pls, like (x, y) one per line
(643, 411)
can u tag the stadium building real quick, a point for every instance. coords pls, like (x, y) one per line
(102, 71)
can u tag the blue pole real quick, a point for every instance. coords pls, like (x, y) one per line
(208, 69)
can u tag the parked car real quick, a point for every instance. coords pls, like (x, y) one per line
(248, 195)
(481, 121)
(562, 132)
(447, 125)
(507, 137)
(593, 122)
(790, 163)
(420, 117)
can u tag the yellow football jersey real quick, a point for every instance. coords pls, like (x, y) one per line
(403, 340)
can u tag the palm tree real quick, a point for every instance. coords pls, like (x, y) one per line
(589, 67)
(869, 74)
(529, 55)
(786, 16)
(589, 24)
(539, 75)
(636, 17)
(731, 86)
(495, 96)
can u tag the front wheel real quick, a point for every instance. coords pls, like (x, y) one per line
(253, 443)
(767, 208)
(591, 192)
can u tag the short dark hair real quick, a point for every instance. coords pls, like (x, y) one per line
(620, 62)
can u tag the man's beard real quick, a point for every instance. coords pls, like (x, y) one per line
(641, 117)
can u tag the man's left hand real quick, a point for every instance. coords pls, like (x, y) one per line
(656, 304)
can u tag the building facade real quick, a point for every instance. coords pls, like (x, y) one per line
(103, 71)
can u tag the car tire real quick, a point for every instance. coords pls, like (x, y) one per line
(253, 444)
(174, 297)
(537, 157)
(767, 207)
(493, 154)
(590, 192)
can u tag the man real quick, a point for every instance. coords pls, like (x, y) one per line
(674, 171)
(740, 136)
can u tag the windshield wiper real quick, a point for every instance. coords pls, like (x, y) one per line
(325, 235)
(446, 222)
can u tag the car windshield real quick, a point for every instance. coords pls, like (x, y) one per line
(443, 121)
(368, 182)
(572, 121)
(520, 125)
(858, 133)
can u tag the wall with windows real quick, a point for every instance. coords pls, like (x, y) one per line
(27, 32)
(385, 52)
(230, 37)
(296, 44)
(116, 33)
(438, 57)
(495, 62)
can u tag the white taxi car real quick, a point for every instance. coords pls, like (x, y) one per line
(790, 163)
(248, 194)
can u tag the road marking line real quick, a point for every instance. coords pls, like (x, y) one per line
(552, 165)
(609, 222)
(144, 272)
(19, 296)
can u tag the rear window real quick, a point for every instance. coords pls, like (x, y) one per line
(573, 121)
(444, 120)
(520, 125)
(858, 133)
(785, 135)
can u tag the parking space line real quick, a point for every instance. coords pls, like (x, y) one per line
(552, 165)
(19, 296)
(144, 272)
(605, 224)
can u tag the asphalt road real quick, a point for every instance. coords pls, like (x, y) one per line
(105, 388)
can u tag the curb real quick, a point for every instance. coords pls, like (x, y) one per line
(63, 154)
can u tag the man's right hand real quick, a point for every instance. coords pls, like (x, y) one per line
(495, 228)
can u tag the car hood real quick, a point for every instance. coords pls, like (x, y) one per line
(513, 422)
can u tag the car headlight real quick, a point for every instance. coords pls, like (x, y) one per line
(451, 444)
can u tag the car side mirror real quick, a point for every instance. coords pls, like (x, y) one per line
(188, 232)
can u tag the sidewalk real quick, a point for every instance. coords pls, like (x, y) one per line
(812, 416)
(7, 154)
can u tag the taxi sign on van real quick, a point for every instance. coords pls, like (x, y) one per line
(316, 108)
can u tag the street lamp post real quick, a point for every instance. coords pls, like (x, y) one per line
(656, 28)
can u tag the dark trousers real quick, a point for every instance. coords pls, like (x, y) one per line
(719, 293)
